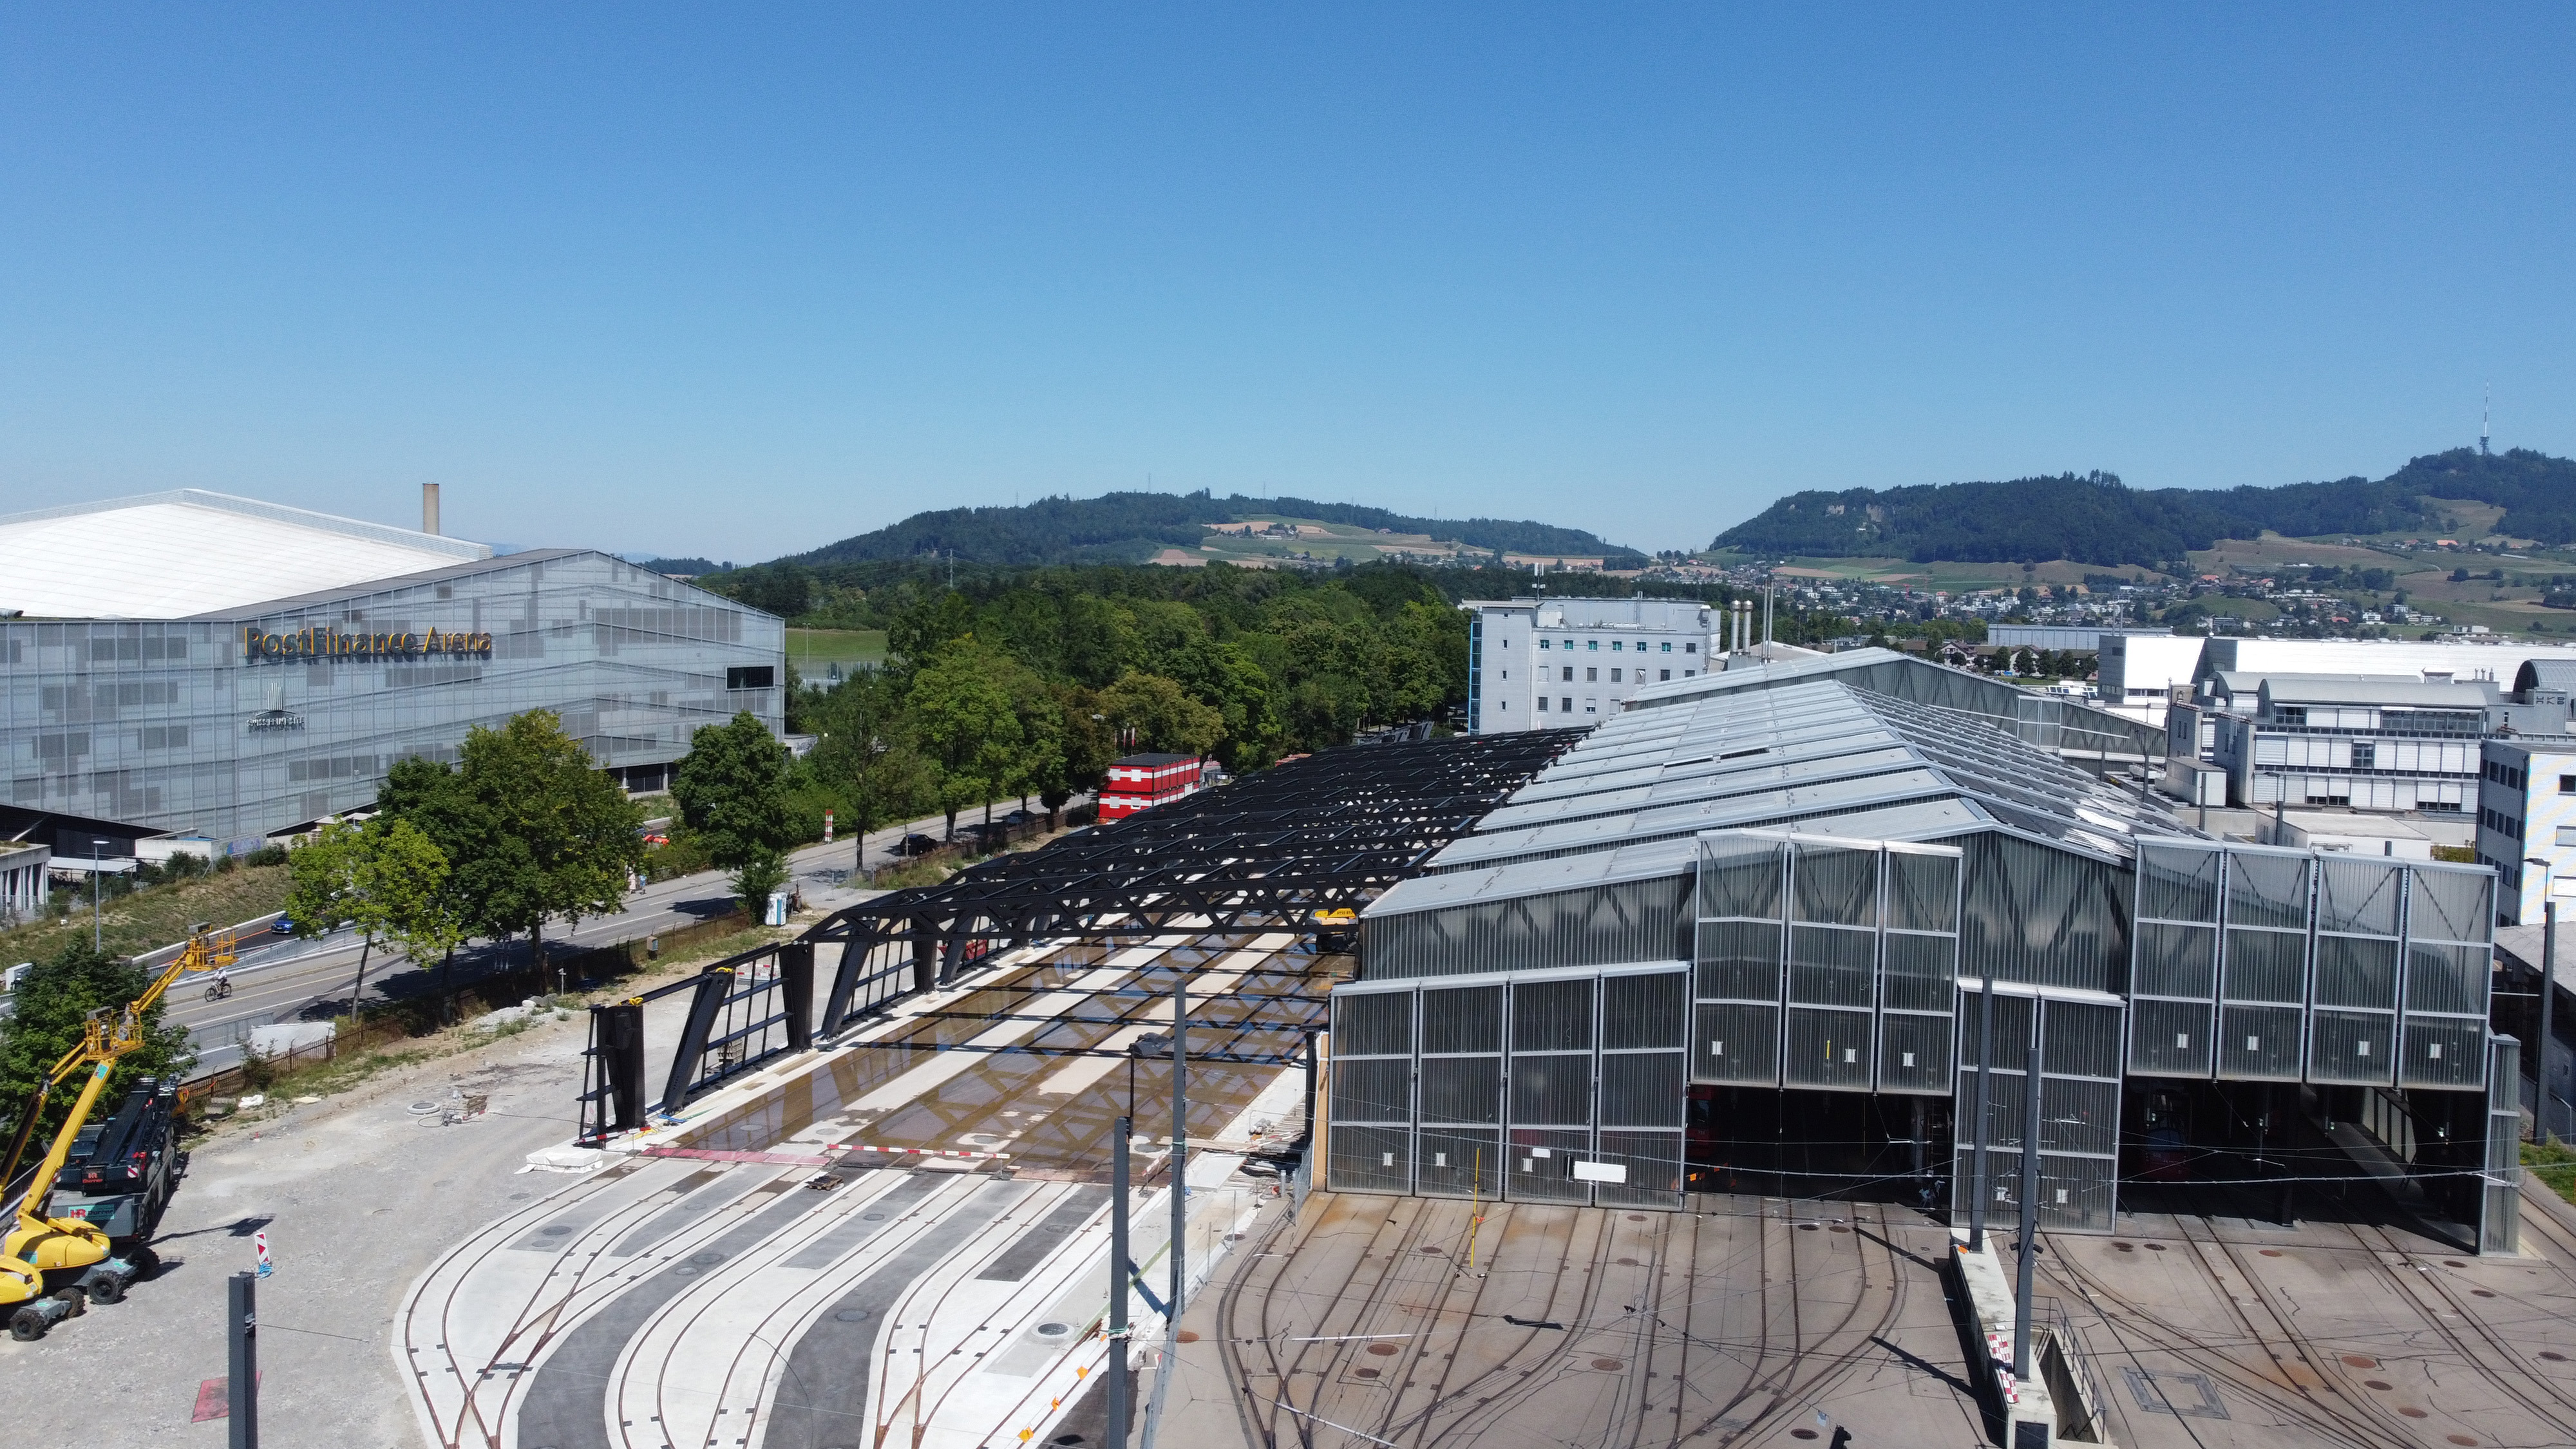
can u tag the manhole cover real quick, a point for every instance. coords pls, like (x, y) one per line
(1186, 1336)
(2125, 1247)
(2412, 1412)
(1627, 1262)
(1364, 1373)
(1802, 1433)
(1431, 1249)
(556, 1230)
(1839, 1228)
(1053, 1330)
(2382, 1385)
(421, 1109)
(2553, 1355)
(706, 1260)
(852, 1315)
(2359, 1360)
(2151, 1247)
(872, 1217)
(1384, 1350)
(1607, 1364)
(1636, 1217)
(1806, 1227)
(2446, 1262)
(2481, 1293)
(2267, 1252)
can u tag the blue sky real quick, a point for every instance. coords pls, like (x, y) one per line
(679, 277)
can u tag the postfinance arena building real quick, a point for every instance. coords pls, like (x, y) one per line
(193, 664)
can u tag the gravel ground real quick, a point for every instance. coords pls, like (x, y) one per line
(357, 1198)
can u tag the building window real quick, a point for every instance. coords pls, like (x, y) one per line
(1614, 676)
(1591, 706)
(1565, 706)
(1542, 644)
(2567, 784)
(1569, 673)
(1614, 646)
(1691, 648)
(1542, 704)
(1591, 643)
(751, 676)
(1690, 673)
(1668, 646)
(1591, 676)
(1662, 674)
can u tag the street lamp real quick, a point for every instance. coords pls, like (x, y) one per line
(2548, 982)
(1120, 1268)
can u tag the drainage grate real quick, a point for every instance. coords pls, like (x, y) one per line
(2191, 1396)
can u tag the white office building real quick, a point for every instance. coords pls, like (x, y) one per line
(2527, 813)
(1554, 663)
(2346, 741)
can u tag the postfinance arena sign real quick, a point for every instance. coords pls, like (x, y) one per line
(332, 644)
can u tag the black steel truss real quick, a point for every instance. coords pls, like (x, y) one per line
(1273, 850)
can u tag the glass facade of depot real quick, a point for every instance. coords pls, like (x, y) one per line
(1542, 1046)
(237, 725)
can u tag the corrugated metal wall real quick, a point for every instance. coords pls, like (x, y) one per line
(2259, 964)
(1642, 920)
(1853, 991)
(1499, 1088)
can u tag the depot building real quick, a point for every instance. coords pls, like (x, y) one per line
(194, 665)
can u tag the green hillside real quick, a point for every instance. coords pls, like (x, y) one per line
(2094, 518)
(1134, 527)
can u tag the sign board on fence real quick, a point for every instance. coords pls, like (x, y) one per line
(1601, 1172)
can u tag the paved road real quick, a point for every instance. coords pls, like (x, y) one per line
(284, 980)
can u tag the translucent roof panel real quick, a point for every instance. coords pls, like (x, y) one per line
(189, 553)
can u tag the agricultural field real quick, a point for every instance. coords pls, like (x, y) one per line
(1941, 575)
(1272, 540)
(813, 652)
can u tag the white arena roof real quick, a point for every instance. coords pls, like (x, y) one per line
(188, 552)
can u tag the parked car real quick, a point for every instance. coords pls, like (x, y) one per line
(915, 845)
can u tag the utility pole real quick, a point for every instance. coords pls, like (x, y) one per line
(1180, 1142)
(2548, 991)
(241, 1330)
(2029, 1204)
(1119, 1269)
(1985, 1054)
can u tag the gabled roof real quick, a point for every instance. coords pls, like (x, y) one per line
(189, 552)
(1820, 756)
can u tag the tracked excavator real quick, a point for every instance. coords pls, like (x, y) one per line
(54, 1268)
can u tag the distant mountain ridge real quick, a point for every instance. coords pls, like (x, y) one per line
(2094, 518)
(1133, 527)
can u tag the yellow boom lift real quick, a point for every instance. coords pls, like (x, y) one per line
(73, 1255)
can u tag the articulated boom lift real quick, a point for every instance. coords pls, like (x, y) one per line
(76, 1255)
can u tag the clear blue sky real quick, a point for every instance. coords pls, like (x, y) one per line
(695, 279)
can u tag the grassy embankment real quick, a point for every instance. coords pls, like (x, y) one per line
(2553, 1163)
(154, 916)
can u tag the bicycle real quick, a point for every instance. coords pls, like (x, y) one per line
(219, 990)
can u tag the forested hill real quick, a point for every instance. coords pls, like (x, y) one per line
(2094, 518)
(1133, 527)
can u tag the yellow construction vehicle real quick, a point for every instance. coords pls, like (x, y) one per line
(73, 1256)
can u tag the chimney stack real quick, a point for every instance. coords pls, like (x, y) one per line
(429, 508)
